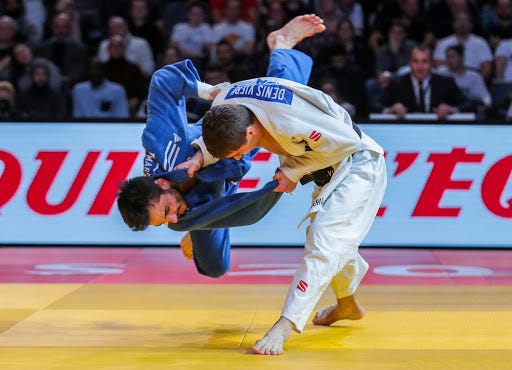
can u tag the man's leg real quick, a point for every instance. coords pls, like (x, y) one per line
(332, 241)
(295, 66)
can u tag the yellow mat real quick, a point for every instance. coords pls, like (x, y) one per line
(74, 326)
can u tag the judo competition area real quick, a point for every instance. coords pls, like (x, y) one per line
(79, 290)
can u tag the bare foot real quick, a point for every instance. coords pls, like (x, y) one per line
(186, 246)
(347, 308)
(272, 343)
(295, 31)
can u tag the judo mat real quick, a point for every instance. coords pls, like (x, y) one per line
(147, 308)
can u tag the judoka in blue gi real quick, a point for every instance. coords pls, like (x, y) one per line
(207, 204)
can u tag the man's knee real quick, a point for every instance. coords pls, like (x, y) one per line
(213, 270)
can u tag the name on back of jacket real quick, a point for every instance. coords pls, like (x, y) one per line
(268, 91)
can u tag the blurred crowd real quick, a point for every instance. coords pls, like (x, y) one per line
(93, 59)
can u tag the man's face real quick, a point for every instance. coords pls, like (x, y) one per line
(167, 208)
(420, 62)
(453, 60)
(250, 144)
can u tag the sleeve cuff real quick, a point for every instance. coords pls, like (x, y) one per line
(207, 157)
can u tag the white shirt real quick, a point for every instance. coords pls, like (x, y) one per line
(192, 40)
(476, 50)
(238, 34)
(504, 49)
(137, 51)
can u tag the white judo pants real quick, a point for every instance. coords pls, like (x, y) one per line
(333, 236)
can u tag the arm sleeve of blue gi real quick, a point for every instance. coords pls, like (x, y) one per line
(212, 250)
(167, 136)
(290, 64)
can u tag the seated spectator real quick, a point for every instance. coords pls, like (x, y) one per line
(497, 22)
(98, 97)
(137, 49)
(357, 52)
(40, 100)
(141, 25)
(7, 42)
(118, 69)
(23, 62)
(503, 56)
(239, 33)
(249, 11)
(396, 51)
(477, 53)
(352, 10)
(422, 91)
(235, 66)
(442, 14)
(172, 54)
(469, 82)
(8, 109)
(25, 29)
(328, 86)
(67, 54)
(194, 36)
(67, 7)
(350, 79)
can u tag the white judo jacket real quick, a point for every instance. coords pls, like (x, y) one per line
(314, 130)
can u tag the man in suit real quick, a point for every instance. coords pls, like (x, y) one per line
(423, 91)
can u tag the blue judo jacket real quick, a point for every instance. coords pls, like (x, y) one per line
(213, 204)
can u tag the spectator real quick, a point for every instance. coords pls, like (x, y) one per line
(416, 25)
(355, 46)
(351, 9)
(396, 51)
(194, 36)
(231, 63)
(7, 42)
(67, 54)
(137, 49)
(140, 25)
(98, 97)
(350, 79)
(421, 90)
(503, 57)
(68, 7)
(23, 62)
(469, 82)
(328, 86)
(249, 11)
(118, 69)
(477, 53)
(25, 30)
(172, 54)
(238, 32)
(443, 13)
(40, 100)
(497, 22)
(8, 109)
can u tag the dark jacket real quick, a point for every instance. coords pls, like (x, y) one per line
(442, 90)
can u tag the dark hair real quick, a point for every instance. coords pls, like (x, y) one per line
(459, 49)
(133, 200)
(224, 128)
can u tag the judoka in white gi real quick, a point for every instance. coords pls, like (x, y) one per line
(315, 138)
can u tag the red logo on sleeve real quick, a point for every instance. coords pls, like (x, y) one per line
(315, 135)
(302, 286)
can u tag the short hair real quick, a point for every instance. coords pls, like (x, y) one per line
(224, 128)
(134, 198)
(459, 49)
(8, 87)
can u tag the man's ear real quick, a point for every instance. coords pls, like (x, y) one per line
(163, 183)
